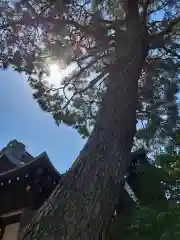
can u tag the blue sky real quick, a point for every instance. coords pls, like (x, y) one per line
(21, 118)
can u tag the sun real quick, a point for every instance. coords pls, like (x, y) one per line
(54, 69)
(59, 72)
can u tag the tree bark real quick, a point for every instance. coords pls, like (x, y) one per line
(83, 203)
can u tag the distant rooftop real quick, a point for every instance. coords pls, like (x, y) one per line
(16, 153)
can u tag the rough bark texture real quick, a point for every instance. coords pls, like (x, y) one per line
(80, 207)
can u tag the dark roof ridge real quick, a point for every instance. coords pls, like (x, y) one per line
(35, 160)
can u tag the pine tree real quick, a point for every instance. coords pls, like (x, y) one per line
(127, 69)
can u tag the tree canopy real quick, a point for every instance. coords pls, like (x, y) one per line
(82, 34)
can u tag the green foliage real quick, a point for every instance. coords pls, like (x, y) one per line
(158, 215)
(34, 35)
(161, 110)
(149, 189)
(95, 4)
(178, 138)
(151, 223)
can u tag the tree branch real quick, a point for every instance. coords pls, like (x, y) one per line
(145, 11)
(158, 40)
(90, 85)
(170, 26)
(172, 52)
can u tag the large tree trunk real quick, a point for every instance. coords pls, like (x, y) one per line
(80, 207)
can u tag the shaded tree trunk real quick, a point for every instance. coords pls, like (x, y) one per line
(83, 203)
